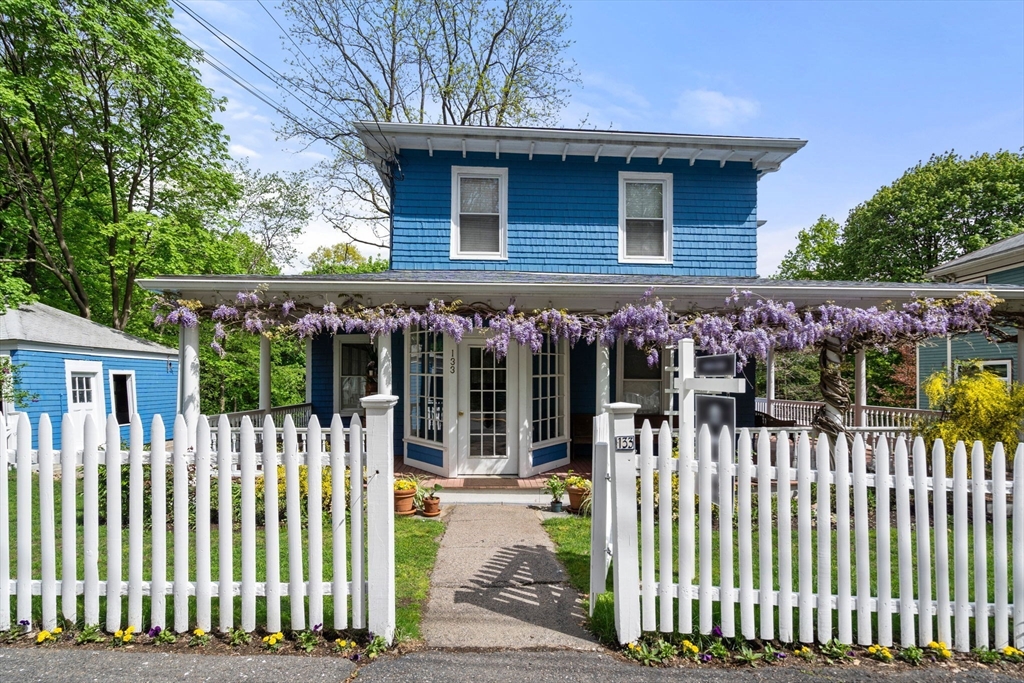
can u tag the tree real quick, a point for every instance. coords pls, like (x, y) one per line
(342, 259)
(466, 62)
(818, 253)
(109, 150)
(272, 210)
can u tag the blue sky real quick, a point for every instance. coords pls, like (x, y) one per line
(874, 87)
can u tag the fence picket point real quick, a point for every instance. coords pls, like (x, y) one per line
(203, 565)
(47, 551)
(785, 541)
(1018, 547)
(905, 554)
(961, 620)
(687, 548)
(135, 521)
(356, 462)
(314, 522)
(943, 613)
(180, 531)
(272, 530)
(114, 536)
(980, 545)
(999, 560)
(665, 527)
(339, 588)
(922, 526)
(69, 519)
(766, 580)
(744, 529)
(158, 478)
(225, 525)
(861, 524)
(844, 603)
(882, 541)
(806, 585)
(647, 592)
(727, 590)
(293, 513)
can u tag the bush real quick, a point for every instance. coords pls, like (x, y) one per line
(978, 406)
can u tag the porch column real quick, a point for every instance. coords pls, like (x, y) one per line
(860, 387)
(188, 379)
(604, 378)
(264, 373)
(384, 364)
(769, 372)
(309, 370)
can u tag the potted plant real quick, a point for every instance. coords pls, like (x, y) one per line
(577, 487)
(406, 487)
(427, 500)
(555, 486)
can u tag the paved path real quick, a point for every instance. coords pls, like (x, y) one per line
(65, 665)
(497, 584)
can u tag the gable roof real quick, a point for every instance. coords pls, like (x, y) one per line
(385, 140)
(1001, 255)
(44, 324)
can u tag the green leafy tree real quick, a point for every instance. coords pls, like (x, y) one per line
(110, 155)
(467, 62)
(341, 259)
(817, 255)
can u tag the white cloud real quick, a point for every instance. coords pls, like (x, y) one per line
(715, 109)
(243, 151)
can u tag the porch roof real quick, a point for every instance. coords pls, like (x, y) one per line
(562, 290)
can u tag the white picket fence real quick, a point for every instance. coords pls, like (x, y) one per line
(365, 586)
(929, 595)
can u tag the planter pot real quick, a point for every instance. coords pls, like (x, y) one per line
(431, 507)
(404, 502)
(556, 506)
(576, 496)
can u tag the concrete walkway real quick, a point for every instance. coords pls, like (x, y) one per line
(497, 584)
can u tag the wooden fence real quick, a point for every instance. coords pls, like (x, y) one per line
(928, 593)
(363, 587)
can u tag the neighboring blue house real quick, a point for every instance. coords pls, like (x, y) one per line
(73, 365)
(1001, 264)
(574, 219)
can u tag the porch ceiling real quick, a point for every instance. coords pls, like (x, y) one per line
(578, 292)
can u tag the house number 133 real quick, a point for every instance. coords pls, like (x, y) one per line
(451, 363)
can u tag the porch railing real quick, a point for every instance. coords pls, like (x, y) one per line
(884, 417)
(299, 412)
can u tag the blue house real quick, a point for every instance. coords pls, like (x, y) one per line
(1001, 263)
(574, 219)
(75, 366)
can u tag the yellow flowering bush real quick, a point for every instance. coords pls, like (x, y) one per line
(326, 488)
(940, 650)
(881, 653)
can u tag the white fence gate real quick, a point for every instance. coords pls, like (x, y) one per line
(366, 587)
(930, 596)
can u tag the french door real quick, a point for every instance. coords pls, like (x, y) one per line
(487, 442)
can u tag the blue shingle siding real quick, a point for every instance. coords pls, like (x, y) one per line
(43, 374)
(1010, 276)
(563, 216)
(322, 381)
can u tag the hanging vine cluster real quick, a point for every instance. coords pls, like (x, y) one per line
(746, 325)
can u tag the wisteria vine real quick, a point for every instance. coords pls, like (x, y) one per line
(746, 325)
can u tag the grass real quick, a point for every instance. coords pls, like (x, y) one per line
(571, 536)
(416, 545)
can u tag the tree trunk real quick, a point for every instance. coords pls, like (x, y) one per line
(834, 390)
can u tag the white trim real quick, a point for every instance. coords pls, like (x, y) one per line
(44, 347)
(667, 198)
(1005, 362)
(94, 368)
(465, 465)
(445, 470)
(340, 340)
(458, 172)
(132, 395)
(9, 408)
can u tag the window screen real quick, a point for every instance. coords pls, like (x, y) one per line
(480, 215)
(645, 219)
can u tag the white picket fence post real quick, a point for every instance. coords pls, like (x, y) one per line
(600, 510)
(380, 505)
(831, 491)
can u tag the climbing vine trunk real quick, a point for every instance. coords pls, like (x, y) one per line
(834, 390)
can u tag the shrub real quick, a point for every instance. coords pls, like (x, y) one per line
(977, 406)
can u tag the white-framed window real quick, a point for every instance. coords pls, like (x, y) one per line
(479, 213)
(355, 360)
(426, 385)
(550, 393)
(122, 395)
(645, 217)
(81, 388)
(1003, 369)
(638, 382)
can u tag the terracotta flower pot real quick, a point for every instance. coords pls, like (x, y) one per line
(431, 507)
(576, 496)
(404, 502)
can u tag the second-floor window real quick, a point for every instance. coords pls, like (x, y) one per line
(479, 213)
(645, 218)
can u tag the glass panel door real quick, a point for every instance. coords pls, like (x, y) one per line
(485, 392)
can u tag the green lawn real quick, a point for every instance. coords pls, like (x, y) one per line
(572, 539)
(416, 544)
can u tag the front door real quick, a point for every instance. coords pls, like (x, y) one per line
(486, 393)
